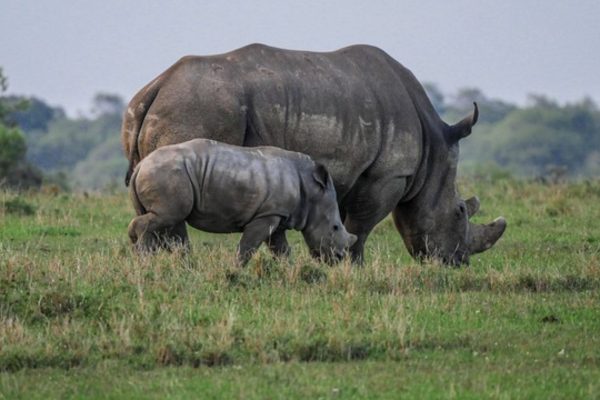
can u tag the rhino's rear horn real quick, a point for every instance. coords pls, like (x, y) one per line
(484, 236)
(463, 128)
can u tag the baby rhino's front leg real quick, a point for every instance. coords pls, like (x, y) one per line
(278, 244)
(254, 234)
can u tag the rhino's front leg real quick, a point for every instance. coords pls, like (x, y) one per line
(368, 206)
(254, 234)
(278, 244)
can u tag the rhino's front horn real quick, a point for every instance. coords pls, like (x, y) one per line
(484, 236)
(463, 128)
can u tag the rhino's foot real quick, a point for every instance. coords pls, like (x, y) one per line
(357, 251)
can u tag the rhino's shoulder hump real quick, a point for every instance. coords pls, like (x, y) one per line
(363, 49)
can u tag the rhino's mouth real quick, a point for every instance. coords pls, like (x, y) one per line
(456, 260)
(422, 248)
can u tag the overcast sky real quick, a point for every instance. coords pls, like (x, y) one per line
(66, 51)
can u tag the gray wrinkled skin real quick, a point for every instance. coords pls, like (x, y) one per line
(220, 188)
(356, 110)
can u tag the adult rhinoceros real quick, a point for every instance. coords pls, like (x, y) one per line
(355, 110)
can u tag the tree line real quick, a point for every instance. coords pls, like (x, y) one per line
(530, 141)
(82, 152)
(41, 143)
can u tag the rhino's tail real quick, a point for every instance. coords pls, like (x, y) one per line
(133, 120)
(137, 204)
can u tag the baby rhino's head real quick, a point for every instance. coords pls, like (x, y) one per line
(325, 233)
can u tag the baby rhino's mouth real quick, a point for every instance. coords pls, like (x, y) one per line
(330, 257)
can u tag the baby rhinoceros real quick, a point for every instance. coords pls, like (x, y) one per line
(220, 188)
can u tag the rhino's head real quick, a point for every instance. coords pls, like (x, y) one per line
(435, 222)
(324, 232)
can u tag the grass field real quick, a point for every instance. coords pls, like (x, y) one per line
(80, 316)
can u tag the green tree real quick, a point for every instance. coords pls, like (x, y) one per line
(533, 140)
(491, 110)
(14, 170)
(36, 117)
(12, 148)
(107, 104)
(69, 141)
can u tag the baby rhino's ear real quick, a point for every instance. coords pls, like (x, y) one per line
(321, 175)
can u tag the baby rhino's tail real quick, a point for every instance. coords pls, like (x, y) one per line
(135, 200)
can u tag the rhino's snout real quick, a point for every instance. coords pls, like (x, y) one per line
(341, 252)
(335, 256)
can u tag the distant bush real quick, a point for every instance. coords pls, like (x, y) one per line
(12, 148)
(540, 140)
(485, 171)
(15, 171)
(18, 206)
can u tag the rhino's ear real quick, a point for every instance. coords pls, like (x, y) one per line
(463, 128)
(320, 175)
(472, 206)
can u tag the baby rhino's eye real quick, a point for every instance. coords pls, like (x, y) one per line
(336, 227)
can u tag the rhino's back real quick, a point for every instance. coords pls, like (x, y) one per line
(234, 185)
(352, 109)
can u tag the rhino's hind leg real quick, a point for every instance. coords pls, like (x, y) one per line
(256, 232)
(144, 233)
(149, 232)
(166, 198)
(278, 244)
(175, 237)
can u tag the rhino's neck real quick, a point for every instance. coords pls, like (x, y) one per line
(429, 190)
(432, 139)
(429, 165)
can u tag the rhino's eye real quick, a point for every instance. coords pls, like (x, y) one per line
(461, 210)
(336, 227)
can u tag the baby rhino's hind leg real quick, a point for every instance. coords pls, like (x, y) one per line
(144, 232)
(168, 203)
(175, 237)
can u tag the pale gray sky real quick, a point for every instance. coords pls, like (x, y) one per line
(66, 51)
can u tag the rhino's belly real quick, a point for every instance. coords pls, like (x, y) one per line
(213, 223)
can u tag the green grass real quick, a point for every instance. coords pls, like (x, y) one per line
(80, 316)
